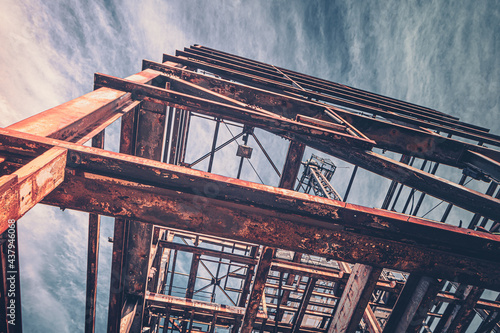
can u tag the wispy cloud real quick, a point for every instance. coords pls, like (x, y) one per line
(437, 54)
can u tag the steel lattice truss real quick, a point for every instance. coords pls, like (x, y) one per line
(263, 257)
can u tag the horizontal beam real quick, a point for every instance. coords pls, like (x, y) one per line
(208, 252)
(121, 185)
(484, 163)
(161, 300)
(327, 274)
(300, 232)
(292, 164)
(76, 117)
(355, 222)
(356, 91)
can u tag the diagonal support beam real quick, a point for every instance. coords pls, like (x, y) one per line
(355, 298)
(259, 284)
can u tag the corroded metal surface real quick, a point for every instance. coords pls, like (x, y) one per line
(39, 163)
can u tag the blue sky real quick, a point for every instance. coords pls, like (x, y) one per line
(440, 54)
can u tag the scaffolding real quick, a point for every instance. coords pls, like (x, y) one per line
(198, 247)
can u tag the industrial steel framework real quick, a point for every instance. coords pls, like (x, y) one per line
(195, 251)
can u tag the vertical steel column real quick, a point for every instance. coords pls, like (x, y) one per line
(175, 137)
(92, 256)
(214, 144)
(354, 171)
(355, 298)
(128, 136)
(259, 284)
(292, 164)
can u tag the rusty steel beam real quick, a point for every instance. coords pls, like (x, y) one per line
(371, 321)
(92, 256)
(379, 99)
(134, 168)
(426, 116)
(286, 106)
(247, 282)
(399, 255)
(234, 60)
(368, 315)
(96, 161)
(345, 94)
(239, 59)
(425, 305)
(162, 279)
(486, 164)
(327, 274)
(117, 275)
(390, 136)
(26, 186)
(71, 119)
(92, 264)
(195, 262)
(259, 284)
(129, 107)
(244, 69)
(128, 313)
(418, 179)
(148, 144)
(355, 298)
(128, 136)
(471, 133)
(490, 323)
(156, 255)
(176, 118)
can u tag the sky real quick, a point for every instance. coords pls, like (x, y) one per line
(440, 54)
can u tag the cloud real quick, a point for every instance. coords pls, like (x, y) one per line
(440, 55)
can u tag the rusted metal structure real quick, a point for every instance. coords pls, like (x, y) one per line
(194, 251)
